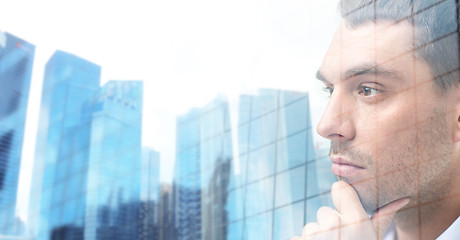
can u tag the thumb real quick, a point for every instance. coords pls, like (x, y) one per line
(384, 216)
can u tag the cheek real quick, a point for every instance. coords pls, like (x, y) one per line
(419, 143)
(383, 120)
(391, 136)
(397, 151)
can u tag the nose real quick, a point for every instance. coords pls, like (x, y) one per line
(337, 124)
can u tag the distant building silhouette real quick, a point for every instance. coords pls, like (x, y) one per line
(215, 217)
(67, 232)
(150, 195)
(16, 59)
(166, 213)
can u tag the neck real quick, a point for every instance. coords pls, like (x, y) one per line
(427, 220)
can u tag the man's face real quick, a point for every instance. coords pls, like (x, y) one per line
(391, 130)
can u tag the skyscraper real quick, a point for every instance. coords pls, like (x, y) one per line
(16, 59)
(187, 187)
(166, 213)
(61, 154)
(150, 195)
(203, 145)
(150, 175)
(112, 190)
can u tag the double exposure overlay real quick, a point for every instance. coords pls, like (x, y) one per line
(170, 121)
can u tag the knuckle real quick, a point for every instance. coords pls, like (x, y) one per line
(310, 229)
(324, 211)
(327, 217)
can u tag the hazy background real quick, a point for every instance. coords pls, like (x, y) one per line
(186, 52)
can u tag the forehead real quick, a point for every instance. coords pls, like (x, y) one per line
(380, 43)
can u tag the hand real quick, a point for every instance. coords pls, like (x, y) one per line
(350, 221)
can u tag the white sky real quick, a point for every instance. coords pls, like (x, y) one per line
(185, 51)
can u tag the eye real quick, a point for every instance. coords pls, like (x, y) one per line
(368, 91)
(329, 90)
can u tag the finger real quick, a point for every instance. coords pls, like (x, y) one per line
(347, 202)
(384, 216)
(310, 229)
(327, 218)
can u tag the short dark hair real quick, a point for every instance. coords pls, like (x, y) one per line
(436, 30)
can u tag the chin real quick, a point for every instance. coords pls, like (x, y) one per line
(369, 206)
(367, 193)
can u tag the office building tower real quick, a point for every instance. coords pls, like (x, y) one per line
(187, 187)
(112, 191)
(166, 213)
(16, 59)
(203, 148)
(150, 175)
(61, 154)
(150, 194)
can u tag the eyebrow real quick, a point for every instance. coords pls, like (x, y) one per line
(364, 69)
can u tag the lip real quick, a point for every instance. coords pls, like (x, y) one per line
(345, 168)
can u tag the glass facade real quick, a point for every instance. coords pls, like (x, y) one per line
(87, 177)
(187, 188)
(16, 59)
(202, 171)
(112, 190)
(150, 195)
(62, 150)
(277, 158)
(276, 176)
